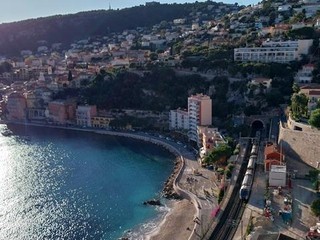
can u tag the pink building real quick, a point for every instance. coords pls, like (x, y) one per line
(209, 139)
(200, 114)
(62, 111)
(16, 106)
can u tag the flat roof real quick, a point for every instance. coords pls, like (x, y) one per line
(278, 168)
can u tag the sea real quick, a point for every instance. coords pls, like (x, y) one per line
(66, 184)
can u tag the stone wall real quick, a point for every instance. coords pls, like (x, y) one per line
(293, 125)
(301, 145)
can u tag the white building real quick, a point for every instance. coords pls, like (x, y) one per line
(200, 114)
(179, 119)
(179, 21)
(277, 176)
(84, 115)
(270, 51)
(304, 75)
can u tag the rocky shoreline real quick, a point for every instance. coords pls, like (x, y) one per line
(168, 190)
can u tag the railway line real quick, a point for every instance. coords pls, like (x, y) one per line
(231, 216)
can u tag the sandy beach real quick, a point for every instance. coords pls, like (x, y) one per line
(175, 224)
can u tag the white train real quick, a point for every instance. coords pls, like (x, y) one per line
(254, 150)
(252, 162)
(246, 185)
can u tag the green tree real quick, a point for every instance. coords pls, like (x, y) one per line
(221, 152)
(299, 105)
(153, 56)
(315, 207)
(295, 88)
(314, 120)
(70, 76)
(274, 98)
(5, 67)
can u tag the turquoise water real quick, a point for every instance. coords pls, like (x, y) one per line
(62, 184)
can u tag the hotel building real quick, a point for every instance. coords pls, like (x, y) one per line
(270, 51)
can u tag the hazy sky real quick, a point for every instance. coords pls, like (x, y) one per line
(14, 10)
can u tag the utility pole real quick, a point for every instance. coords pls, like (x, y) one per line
(270, 129)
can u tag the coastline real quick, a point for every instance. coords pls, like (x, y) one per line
(180, 213)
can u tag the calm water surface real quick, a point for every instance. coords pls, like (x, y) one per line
(60, 184)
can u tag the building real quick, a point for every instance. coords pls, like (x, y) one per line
(84, 115)
(272, 156)
(312, 92)
(35, 107)
(179, 119)
(305, 75)
(200, 114)
(209, 138)
(270, 51)
(260, 81)
(278, 176)
(101, 122)
(16, 106)
(62, 112)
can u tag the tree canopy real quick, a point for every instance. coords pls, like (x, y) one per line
(314, 120)
(315, 207)
(299, 105)
(220, 153)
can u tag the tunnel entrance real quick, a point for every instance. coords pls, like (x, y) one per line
(257, 125)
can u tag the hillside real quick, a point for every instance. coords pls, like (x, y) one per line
(65, 29)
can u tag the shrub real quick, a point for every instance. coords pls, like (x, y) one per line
(230, 167)
(315, 207)
(228, 173)
(221, 194)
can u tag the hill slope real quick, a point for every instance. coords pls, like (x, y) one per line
(67, 28)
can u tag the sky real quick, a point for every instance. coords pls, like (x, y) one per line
(15, 10)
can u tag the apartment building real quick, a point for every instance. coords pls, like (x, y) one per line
(84, 115)
(179, 119)
(62, 112)
(200, 114)
(271, 51)
(35, 107)
(305, 75)
(16, 106)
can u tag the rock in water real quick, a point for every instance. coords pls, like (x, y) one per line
(153, 202)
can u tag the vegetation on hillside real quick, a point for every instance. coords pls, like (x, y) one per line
(159, 90)
(66, 29)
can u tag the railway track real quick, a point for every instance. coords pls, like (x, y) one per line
(231, 216)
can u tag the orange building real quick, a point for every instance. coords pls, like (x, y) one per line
(62, 111)
(272, 156)
(16, 106)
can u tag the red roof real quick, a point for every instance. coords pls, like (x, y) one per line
(270, 149)
(314, 92)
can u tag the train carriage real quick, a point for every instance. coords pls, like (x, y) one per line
(252, 162)
(254, 150)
